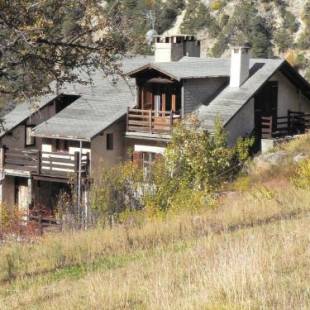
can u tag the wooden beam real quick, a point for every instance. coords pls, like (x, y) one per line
(173, 103)
(163, 102)
(142, 98)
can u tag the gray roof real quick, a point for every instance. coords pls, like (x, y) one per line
(193, 68)
(22, 111)
(99, 105)
(107, 100)
(231, 100)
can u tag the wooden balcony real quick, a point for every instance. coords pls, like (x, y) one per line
(62, 164)
(149, 121)
(52, 164)
(292, 124)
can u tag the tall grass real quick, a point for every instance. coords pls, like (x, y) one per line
(250, 252)
(253, 252)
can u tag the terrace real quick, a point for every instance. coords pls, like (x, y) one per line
(50, 164)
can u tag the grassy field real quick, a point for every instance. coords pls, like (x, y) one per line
(251, 252)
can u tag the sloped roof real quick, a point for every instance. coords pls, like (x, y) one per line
(189, 68)
(231, 100)
(99, 105)
(193, 68)
(22, 111)
(106, 100)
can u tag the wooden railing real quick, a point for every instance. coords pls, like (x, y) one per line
(19, 159)
(62, 164)
(150, 121)
(292, 124)
(54, 164)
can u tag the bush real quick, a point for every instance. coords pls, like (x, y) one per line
(216, 5)
(302, 177)
(116, 190)
(194, 166)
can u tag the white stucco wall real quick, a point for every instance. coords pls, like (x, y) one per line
(242, 124)
(100, 156)
(289, 97)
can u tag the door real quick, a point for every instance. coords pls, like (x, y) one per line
(266, 104)
(22, 196)
(157, 104)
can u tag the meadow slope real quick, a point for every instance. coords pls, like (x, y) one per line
(250, 252)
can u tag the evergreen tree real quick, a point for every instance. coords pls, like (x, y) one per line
(197, 17)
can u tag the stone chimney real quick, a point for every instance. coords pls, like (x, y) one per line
(240, 65)
(173, 48)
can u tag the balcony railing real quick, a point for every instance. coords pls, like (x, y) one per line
(281, 126)
(62, 164)
(150, 121)
(54, 164)
(19, 159)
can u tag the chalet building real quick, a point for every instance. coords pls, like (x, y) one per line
(70, 135)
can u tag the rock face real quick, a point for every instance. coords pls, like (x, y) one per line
(276, 14)
(265, 162)
(299, 157)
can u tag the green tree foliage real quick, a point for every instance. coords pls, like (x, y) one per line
(45, 40)
(193, 167)
(195, 164)
(141, 15)
(247, 25)
(197, 17)
(283, 39)
(116, 190)
(304, 39)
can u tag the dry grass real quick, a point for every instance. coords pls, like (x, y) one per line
(252, 252)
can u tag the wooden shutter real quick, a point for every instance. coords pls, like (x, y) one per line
(158, 156)
(137, 158)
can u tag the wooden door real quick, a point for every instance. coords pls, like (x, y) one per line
(266, 104)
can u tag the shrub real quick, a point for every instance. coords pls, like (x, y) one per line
(194, 166)
(216, 5)
(116, 190)
(302, 176)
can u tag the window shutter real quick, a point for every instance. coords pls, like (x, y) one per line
(158, 156)
(137, 158)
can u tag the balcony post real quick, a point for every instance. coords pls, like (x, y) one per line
(171, 121)
(127, 118)
(2, 150)
(39, 155)
(150, 120)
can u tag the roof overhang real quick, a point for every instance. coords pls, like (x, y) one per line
(60, 137)
(296, 78)
(148, 67)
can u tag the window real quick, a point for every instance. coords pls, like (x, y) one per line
(110, 141)
(62, 146)
(29, 139)
(148, 161)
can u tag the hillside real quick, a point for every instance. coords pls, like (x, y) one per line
(273, 27)
(251, 250)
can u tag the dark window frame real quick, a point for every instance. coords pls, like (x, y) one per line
(110, 141)
(64, 144)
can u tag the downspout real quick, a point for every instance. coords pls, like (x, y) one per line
(79, 181)
(182, 100)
